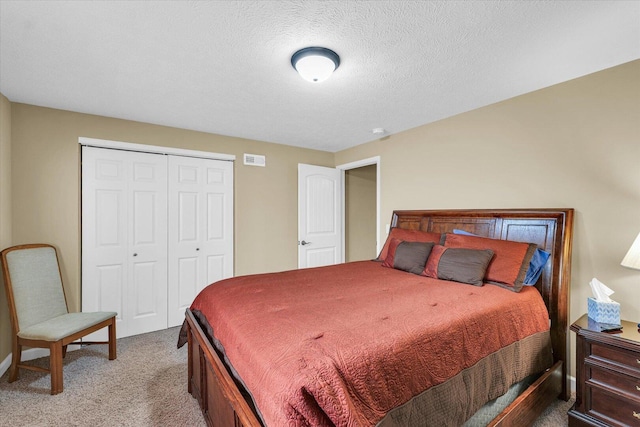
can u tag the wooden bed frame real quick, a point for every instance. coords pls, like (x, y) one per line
(551, 229)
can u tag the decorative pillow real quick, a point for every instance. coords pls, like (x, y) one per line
(536, 265)
(458, 264)
(407, 256)
(510, 262)
(408, 236)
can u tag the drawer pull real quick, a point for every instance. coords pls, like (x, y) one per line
(638, 387)
(637, 415)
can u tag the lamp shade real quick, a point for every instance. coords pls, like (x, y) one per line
(632, 258)
(315, 64)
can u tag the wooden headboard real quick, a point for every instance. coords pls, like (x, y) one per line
(550, 229)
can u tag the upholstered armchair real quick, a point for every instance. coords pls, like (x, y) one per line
(39, 313)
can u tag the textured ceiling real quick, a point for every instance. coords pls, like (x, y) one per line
(224, 67)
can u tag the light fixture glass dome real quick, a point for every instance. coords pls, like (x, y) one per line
(315, 64)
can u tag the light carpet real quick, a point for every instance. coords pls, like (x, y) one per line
(145, 386)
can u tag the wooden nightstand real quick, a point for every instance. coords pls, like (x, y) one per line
(607, 375)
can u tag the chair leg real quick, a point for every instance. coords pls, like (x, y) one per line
(15, 360)
(55, 366)
(64, 351)
(112, 340)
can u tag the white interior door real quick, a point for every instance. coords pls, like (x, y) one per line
(124, 238)
(200, 229)
(319, 216)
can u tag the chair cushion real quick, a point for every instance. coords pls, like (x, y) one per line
(62, 326)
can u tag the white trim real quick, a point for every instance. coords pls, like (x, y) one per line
(30, 354)
(358, 164)
(118, 145)
(572, 383)
(343, 214)
(5, 364)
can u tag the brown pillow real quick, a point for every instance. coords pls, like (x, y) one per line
(408, 236)
(509, 264)
(458, 264)
(407, 256)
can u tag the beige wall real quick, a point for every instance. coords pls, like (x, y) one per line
(5, 216)
(46, 195)
(576, 144)
(360, 213)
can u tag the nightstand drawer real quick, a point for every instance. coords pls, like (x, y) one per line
(607, 376)
(612, 380)
(628, 358)
(614, 409)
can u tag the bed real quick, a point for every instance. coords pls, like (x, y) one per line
(237, 375)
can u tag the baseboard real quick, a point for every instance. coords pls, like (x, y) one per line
(29, 354)
(5, 364)
(572, 384)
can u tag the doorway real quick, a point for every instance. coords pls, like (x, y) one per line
(361, 209)
(360, 213)
(359, 228)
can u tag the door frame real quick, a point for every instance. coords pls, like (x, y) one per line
(128, 146)
(354, 165)
(142, 148)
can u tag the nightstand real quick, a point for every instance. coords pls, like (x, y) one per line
(607, 375)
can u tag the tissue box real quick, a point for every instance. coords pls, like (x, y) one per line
(603, 312)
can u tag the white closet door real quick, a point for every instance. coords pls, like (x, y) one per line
(124, 238)
(200, 229)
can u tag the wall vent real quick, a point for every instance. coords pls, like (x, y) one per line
(254, 160)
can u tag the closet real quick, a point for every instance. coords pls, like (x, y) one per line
(156, 229)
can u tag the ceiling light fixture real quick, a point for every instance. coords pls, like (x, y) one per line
(315, 64)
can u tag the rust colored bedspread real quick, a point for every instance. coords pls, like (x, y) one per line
(345, 344)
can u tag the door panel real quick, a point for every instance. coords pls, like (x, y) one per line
(147, 304)
(109, 226)
(319, 216)
(104, 235)
(108, 292)
(144, 221)
(124, 238)
(144, 291)
(149, 246)
(188, 216)
(188, 278)
(318, 257)
(215, 216)
(216, 268)
(201, 228)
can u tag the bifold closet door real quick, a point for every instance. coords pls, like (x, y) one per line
(200, 228)
(124, 237)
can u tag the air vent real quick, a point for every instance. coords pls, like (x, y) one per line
(254, 160)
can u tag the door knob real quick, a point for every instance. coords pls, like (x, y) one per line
(305, 243)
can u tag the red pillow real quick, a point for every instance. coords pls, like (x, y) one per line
(510, 261)
(391, 251)
(408, 236)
